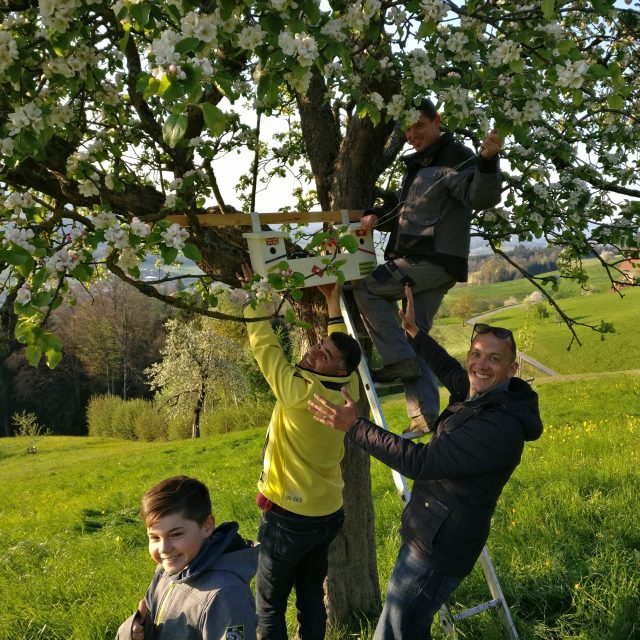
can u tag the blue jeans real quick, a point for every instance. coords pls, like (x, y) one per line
(294, 552)
(414, 594)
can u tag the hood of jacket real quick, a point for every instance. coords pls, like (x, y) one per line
(224, 549)
(518, 400)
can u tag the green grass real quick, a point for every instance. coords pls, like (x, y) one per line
(500, 291)
(618, 351)
(565, 541)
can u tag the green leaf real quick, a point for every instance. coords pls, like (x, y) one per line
(169, 254)
(214, 118)
(577, 97)
(290, 316)
(82, 272)
(296, 294)
(598, 71)
(517, 66)
(565, 46)
(140, 13)
(426, 29)
(349, 243)
(275, 280)
(548, 9)
(50, 341)
(212, 300)
(174, 129)
(42, 299)
(615, 101)
(192, 252)
(33, 353)
(53, 357)
(188, 45)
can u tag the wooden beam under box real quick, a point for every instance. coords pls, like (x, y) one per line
(244, 219)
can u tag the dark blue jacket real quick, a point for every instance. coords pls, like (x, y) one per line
(458, 475)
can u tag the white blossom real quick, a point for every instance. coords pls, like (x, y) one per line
(24, 294)
(300, 46)
(571, 75)
(175, 236)
(299, 83)
(117, 236)
(395, 106)
(140, 228)
(170, 201)
(62, 260)
(8, 51)
(377, 100)
(531, 110)
(457, 42)
(20, 237)
(250, 37)
(104, 219)
(28, 115)
(505, 52)
(128, 259)
(334, 29)
(88, 188)
(434, 9)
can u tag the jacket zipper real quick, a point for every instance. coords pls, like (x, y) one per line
(163, 602)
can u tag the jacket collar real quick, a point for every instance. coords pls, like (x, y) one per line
(427, 156)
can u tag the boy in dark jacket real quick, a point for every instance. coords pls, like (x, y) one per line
(458, 476)
(201, 586)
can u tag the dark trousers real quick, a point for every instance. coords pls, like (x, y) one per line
(414, 594)
(294, 552)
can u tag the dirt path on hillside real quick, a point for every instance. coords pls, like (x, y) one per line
(585, 376)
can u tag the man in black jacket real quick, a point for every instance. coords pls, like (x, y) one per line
(428, 247)
(458, 475)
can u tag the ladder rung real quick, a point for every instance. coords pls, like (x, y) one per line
(477, 609)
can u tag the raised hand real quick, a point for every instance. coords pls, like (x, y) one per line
(332, 415)
(408, 316)
(491, 145)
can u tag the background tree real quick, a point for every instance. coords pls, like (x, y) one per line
(113, 114)
(198, 368)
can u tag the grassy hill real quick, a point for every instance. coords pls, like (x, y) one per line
(547, 339)
(565, 541)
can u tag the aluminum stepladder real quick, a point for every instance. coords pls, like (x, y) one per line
(447, 619)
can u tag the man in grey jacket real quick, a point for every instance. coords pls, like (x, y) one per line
(428, 248)
(458, 476)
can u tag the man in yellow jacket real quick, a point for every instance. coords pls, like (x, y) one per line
(300, 487)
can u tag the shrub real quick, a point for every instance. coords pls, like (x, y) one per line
(228, 418)
(179, 427)
(113, 417)
(99, 415)
(150, 422)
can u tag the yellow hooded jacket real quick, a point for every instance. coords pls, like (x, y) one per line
(301, 462)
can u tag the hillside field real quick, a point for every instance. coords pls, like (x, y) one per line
(565, 541)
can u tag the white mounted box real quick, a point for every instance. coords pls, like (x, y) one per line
(268, 248)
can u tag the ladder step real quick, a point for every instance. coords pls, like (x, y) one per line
(477, 609)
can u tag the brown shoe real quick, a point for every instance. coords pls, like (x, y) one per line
(420, 424)
(407, 369)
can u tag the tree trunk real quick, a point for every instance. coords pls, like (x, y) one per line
(345, 171)
(352, 583)
(195, 429)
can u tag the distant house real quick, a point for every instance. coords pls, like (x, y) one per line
(630, 271)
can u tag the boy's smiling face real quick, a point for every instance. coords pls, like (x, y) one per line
(174, 541)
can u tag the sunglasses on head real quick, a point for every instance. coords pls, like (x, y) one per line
(499, 332)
